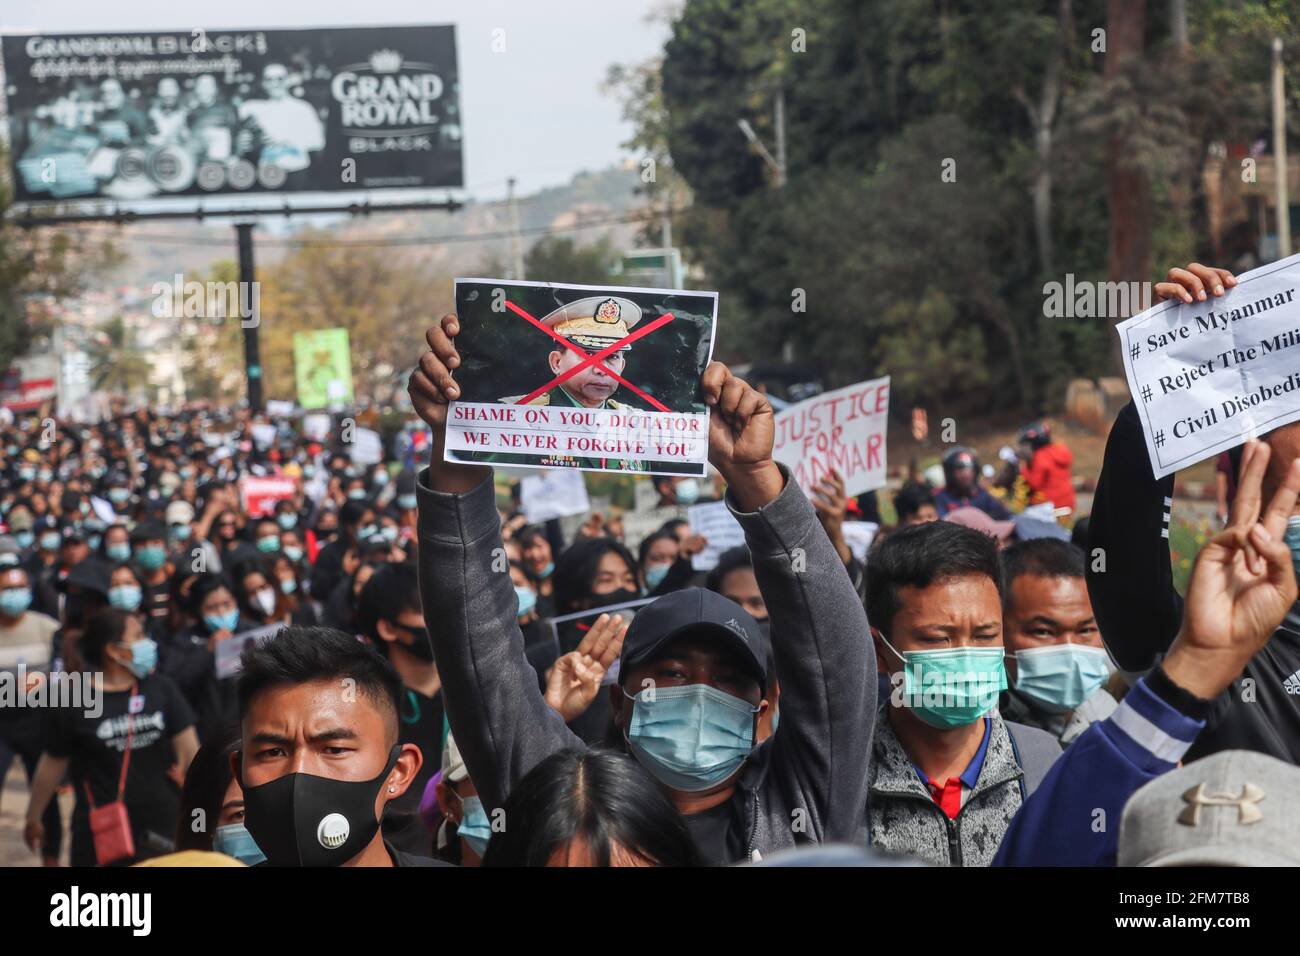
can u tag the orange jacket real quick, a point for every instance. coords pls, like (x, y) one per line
(1049, 476)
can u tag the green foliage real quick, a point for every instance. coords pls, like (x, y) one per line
(560, 259)
(901, 270)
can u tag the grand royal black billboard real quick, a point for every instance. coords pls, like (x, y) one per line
(131, 117)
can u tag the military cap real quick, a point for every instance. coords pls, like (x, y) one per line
(595, 322)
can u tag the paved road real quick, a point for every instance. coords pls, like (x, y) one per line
(13, 806)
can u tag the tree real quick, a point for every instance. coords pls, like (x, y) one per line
(38, 269)
(116, 367)
(560, 259)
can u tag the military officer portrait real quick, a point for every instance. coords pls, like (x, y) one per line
(592, 324)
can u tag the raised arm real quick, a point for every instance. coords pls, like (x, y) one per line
(501, 722)
(824, 659)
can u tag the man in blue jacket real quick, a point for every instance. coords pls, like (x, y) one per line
(1241, 587)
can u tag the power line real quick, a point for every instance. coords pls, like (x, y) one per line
(643, 216)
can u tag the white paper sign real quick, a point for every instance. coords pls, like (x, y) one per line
(719, 527)
(316, 426)
(1206, 376)
(553, 494)
(278, 408)
(844, 430)
(367, 447)
(226, 654)
(858, 535)
(264, 435)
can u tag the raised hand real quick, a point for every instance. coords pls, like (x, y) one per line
(1196, 283)
(832, 505)
(431, 385)
(573, 681)
(1241, 587)
(741, 434)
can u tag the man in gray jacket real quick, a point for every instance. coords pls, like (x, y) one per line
(947, 773)
(690, 689)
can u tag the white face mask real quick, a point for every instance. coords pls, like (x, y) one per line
(265, 599)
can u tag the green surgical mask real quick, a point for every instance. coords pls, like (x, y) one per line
(950, 686)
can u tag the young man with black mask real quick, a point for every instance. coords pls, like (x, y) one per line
(319, 757)
(691, 660)
(388, 613)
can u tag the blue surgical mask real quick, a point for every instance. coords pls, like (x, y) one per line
(151, 557)
(293, 554)
(118, 552)
(527, 599)
(268, 544)
(181, 532)
(118, 495)
(234, 840)
(144, 657)
(14, 601)
(357, 494)
(389, 532)
(951, 686)
(687, 491)
(367, 532)
(407, 502)
(546, 571)
(474, 827)
(381, 479)
(222, 622)
(50, 540)
(93, 540)
(286, 521)
(1060, 677)
(288, 585)
(655, 574)
(24, 539)
(125, 597)
(691, 738)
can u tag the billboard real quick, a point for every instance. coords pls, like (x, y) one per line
(140, 117)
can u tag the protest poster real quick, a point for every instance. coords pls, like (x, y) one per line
(226, 654)
(260, 495)
(322, 368)
(844, 430)
(278, 408)
(553, 494)
(264, 435)
(1208, 375)
(568, 630)
(858, 535)
(367, 447)
(316, 426)
(714, 522)
(573, 376)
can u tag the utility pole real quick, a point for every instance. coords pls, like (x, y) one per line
(1279, 153)
(775, 163)
(780, 137)
(252, 353)
(670, 274)
(516, 244)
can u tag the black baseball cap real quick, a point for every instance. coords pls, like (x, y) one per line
(698, 612)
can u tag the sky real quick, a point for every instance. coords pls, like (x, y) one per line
(534, 111)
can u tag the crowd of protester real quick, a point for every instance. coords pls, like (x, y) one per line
(991, 675)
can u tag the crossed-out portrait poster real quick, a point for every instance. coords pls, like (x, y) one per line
(575, 376)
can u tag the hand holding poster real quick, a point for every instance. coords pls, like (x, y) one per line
(844, 430)
(541, 365)
(1206, 376)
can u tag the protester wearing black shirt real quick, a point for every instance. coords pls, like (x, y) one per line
(388, 613)
(90, 743)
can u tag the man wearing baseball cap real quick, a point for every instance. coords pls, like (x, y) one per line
(690, 685)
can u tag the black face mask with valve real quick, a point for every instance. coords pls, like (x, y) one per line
(301, 819)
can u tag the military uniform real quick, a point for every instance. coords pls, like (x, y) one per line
(593, 324)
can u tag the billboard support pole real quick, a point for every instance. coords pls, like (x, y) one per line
(252, 353)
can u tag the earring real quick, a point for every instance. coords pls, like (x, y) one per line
(392, 789)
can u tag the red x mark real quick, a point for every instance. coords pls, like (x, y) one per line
(595, 358)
